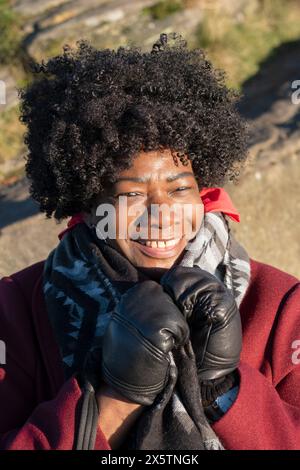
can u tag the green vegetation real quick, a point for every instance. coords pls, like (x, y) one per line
(11, 129)
(163, 9)
(10, 36)
(11, 134)
(238, 45)
(51, 48)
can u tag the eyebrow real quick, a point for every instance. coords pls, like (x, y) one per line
(144, 179)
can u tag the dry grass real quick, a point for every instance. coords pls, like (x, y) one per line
(239, 44)
(11, 134)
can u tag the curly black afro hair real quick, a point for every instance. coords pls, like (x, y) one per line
(90, 111)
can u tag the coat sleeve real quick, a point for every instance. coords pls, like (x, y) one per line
(27, 423)
(266, 412)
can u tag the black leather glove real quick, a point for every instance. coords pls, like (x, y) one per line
(214, 320)
(143, 329)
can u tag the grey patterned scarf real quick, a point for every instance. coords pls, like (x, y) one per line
(84, 278)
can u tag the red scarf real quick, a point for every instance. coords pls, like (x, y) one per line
(214, 200)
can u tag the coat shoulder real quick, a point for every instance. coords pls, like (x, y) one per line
(16, 289)
(269, 283)
(16, 317)
(264, 271)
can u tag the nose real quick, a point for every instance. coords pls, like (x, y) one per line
(162, 219)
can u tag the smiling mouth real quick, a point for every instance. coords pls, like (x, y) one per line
(159, 248)
(158, 243)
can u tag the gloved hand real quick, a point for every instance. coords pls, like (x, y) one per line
(143, 329)
(213, 317)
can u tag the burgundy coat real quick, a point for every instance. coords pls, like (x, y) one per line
(38, 410)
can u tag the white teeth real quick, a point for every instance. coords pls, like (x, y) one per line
(172, 242)
(152, 244)
(161, 244)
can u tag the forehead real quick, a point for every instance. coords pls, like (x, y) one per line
(156, 164)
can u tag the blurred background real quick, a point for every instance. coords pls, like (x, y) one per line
(256, 42)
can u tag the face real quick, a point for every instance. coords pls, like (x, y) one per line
(158, 204)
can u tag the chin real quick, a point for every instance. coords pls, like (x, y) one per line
(164, 264)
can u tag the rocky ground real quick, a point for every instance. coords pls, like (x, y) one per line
(268, 192)
(106, 24)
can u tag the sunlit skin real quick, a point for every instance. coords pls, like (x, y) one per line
(154, 178)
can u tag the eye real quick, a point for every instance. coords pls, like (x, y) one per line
(182, 188)
(129, 194)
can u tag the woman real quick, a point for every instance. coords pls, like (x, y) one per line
(143, 328)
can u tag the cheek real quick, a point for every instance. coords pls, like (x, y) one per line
(194, 217)
(121, 225)
(131, 220)
(124, 226)
(123, 221)
(198, 214)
